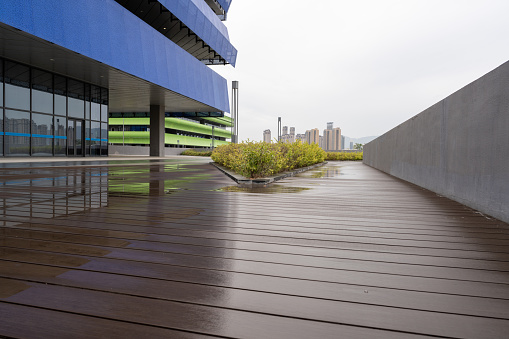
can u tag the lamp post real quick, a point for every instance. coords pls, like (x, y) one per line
(235, 111)
(279, 129)
(213, 137)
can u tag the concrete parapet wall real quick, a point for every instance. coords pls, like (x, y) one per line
(458, 148)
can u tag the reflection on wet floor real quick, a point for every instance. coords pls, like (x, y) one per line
(268, 189)
(327, 171)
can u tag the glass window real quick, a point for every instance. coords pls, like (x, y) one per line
(87, 137)
(76, 99)
(1, 131)
(60, 95)
(17, 86)
(17, 133)
(95, 131)
(96, 103)
(42, 91)
(87, 102)
(104, 131)
(17, 122)
(104, 105)
(42, 134)
(95, 138)
(60, 135)
(42, 147)
(42, 124)
(1, 85)
(104, 138)
(104, 148)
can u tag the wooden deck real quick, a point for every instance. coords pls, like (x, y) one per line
(171, 249)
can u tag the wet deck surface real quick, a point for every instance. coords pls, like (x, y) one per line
(171, 248)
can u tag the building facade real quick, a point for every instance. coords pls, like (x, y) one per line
(288, 137)
(267, 137)
(336, 140)
(68, 68)
(313, 136)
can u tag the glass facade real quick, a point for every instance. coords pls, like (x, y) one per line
(45, 114)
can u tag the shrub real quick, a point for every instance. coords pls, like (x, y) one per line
(343, 156)
(258, 159)
(196, 153)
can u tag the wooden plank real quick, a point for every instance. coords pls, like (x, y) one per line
(233, 323)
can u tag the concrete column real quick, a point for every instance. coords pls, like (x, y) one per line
(156, 131)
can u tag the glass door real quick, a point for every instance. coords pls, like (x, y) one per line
(75, 139)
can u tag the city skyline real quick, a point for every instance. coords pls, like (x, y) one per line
(331, 140)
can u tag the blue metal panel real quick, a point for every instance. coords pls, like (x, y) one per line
(225, 4)
(105, 31)
(198, 16)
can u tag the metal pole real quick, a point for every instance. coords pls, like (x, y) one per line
(235, 109)
(279, 129)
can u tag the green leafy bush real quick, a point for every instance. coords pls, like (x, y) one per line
(343, 156)
(259, 159)
(196, 153)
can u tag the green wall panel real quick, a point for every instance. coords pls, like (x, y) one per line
(227, 121)
(143, 138)
(174, 123)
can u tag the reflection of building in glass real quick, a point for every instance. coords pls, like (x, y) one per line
(81, 64)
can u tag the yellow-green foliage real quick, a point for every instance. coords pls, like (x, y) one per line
(195, 153)
(353, 156)
(258, 159)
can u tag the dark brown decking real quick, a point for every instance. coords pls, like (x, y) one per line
(170, 249)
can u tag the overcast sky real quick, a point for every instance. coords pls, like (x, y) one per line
(367, 66)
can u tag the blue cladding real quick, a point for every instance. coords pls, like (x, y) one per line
(225, 4)
(105, 31)
(198, 16)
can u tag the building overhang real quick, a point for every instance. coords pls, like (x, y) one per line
(127, 93)
(100, 42)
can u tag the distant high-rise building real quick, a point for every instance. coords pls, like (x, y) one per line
(321, 141)
(336, 139)
(292, 130)
(267, 136)
(327, 139)
(312, 136)
(329, 125)
(285, 130)
(343, 145)
(351, 144)
(301, 138)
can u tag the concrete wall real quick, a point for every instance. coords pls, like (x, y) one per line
(145, 150)
(458, 148)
